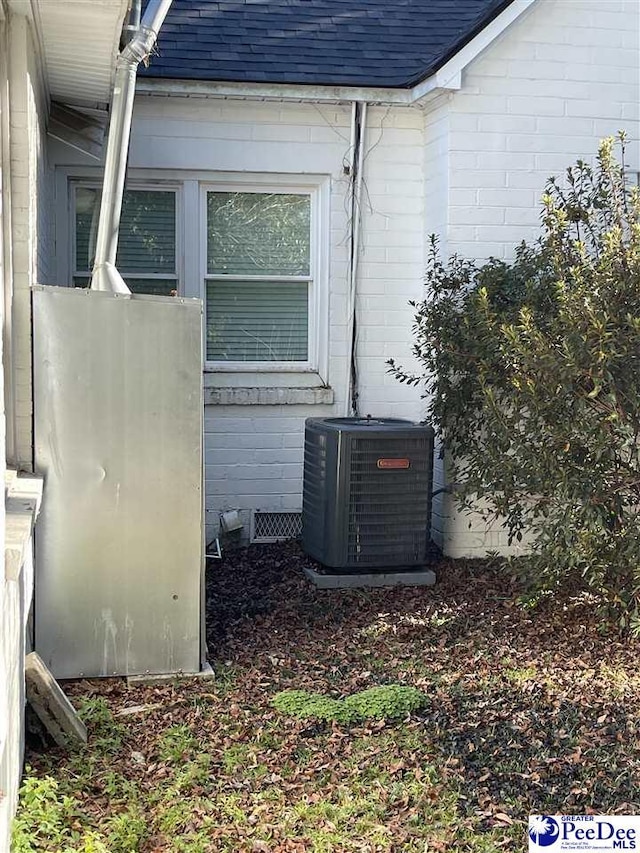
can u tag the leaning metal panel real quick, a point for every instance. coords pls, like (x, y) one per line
(118, 438)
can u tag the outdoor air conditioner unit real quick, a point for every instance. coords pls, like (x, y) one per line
(367, 492)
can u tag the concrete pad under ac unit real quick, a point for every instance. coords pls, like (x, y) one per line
(419, 577)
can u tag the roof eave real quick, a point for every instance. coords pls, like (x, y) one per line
(77, 42)
(272, 91)
(447, 77)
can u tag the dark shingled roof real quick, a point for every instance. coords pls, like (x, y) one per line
(382, 43)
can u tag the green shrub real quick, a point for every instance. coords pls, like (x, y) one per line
(531, 374)
(105, 733)
(390, 701)
(126, 830)
(94, 711)
(49, 820)
(42, 813)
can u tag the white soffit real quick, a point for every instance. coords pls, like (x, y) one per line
(79, 41)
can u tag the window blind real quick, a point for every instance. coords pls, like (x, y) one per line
(147, 238)
(146, 256)
(257, 321)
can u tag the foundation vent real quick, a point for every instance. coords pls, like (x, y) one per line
(275, 526)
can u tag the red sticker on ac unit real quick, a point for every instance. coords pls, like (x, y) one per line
(394, 464)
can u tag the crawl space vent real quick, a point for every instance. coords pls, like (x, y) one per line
(275, 526)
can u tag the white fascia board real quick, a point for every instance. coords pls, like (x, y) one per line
(29, 11)
(447, 78)
(271, 91)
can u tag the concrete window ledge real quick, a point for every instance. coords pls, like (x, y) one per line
(23, 496)
(268, 396)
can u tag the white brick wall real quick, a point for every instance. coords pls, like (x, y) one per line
(438, 193)
(15, 600)
(559, 79)
(9, 735)
(28, 179)
(392, 258)
(470, 167)
(253, 459)
(32, 213)
(254, 452)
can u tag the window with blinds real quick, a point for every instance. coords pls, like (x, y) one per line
(258, 276)
(147, 241)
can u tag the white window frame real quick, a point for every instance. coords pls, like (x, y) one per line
(189, 261)
(133, 186)
(314, 286)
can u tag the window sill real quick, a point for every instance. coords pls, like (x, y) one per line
(268, 396)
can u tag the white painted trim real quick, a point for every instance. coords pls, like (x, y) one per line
(6, 240)
(301, 180)
(248, 379)
(318, 279)
(202, 267)
(191, 242)
(323, 256)
(271, 91)
(279, 279)
(253, 367)
(447, 78)
(31, 8)
(30, 13)
(62, 227)
(74, 184)
(41, 57)
(180, 234)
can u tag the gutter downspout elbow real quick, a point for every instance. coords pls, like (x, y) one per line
(132, 22)
(105, 275)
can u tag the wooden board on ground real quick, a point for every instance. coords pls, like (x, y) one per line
(54, 710)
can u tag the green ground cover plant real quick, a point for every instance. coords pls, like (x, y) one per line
(526, 713)
(388, 701)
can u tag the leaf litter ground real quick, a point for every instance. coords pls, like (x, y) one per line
(528, 712)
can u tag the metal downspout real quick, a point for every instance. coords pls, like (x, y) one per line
(105, 276)
(358, 128)
(132, 22)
